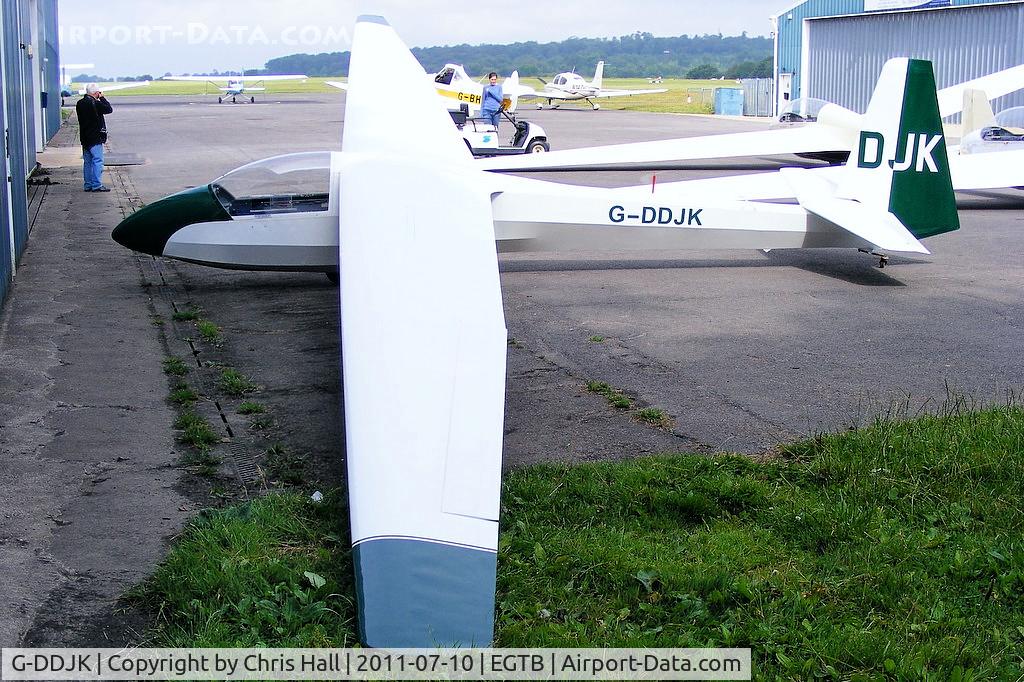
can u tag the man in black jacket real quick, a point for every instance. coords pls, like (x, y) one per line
(93, 131)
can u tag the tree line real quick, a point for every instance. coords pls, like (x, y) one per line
(632, 56)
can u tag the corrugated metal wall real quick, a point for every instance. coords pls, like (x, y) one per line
(847, 53)
(20, 138)
(790, 33)
(6, 224)
(20, 104)
(51, 65)
(790, 25)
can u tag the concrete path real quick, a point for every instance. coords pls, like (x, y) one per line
(86, 447)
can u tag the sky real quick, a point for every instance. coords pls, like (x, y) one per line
(133, 37)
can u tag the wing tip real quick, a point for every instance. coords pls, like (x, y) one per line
(372, 19)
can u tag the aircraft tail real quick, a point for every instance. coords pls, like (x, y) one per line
(598, 75)
(511, 89)
(977, 112)
(896, 188)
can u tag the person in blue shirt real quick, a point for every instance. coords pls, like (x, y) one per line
(490, 108)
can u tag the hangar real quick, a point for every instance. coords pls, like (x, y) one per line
(29, 115)
(834, 49)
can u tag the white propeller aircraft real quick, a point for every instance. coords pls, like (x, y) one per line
(569, 86)
(236, 86)
(459, 91)
(67, 88)
(411, 221)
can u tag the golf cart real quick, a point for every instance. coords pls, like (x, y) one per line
(483, 139)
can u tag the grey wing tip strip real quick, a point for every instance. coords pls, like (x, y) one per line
(372, 19)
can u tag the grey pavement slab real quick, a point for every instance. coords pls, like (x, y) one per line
(86, 449)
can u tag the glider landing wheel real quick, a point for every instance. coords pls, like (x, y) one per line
(883, 259)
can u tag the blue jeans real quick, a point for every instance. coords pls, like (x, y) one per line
(92, 166)
(493, 116)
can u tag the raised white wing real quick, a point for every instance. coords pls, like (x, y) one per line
(995, 85)
(337, 84)
(666, 152)
(109, 87)
(424, 345)
(192, 79)
(287, 77)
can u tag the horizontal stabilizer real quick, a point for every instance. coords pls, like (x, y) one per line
(880, 228)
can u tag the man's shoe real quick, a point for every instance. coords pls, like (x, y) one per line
(101, 188)
(87, 189)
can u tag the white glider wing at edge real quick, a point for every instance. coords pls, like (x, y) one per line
(424, 346)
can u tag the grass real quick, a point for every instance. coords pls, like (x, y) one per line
(251, 408)
(615, 398)
(234, 383)
(891, 552)
(682, 96)
(286, 467)
(175, 366)
(183, 395)
(596, 339)
(190, 315)
(654, 416)
(274, 570)
(209, 332)
(195, 431)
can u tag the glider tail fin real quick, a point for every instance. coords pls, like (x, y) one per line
(900, 164)
(977, 112)
(598, 75)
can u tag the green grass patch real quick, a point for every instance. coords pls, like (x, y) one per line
(209, 332)
(251, 408)
(596, 339)
(233, 382)
(286, 467)
(190, 315)
(175, 366)
(275, 570)
(195, 431)
(183, 395)
(892, 552)
(654, 416)
(615, 398)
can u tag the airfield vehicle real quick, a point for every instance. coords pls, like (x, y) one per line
(483, 139)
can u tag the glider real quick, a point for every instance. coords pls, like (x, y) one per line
(828, 133)
(412, 221)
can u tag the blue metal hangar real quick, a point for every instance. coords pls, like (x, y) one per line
(29, 115)
(834, 49)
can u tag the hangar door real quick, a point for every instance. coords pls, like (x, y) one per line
(844, 55)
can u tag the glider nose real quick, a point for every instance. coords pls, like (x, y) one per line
(148, 229)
